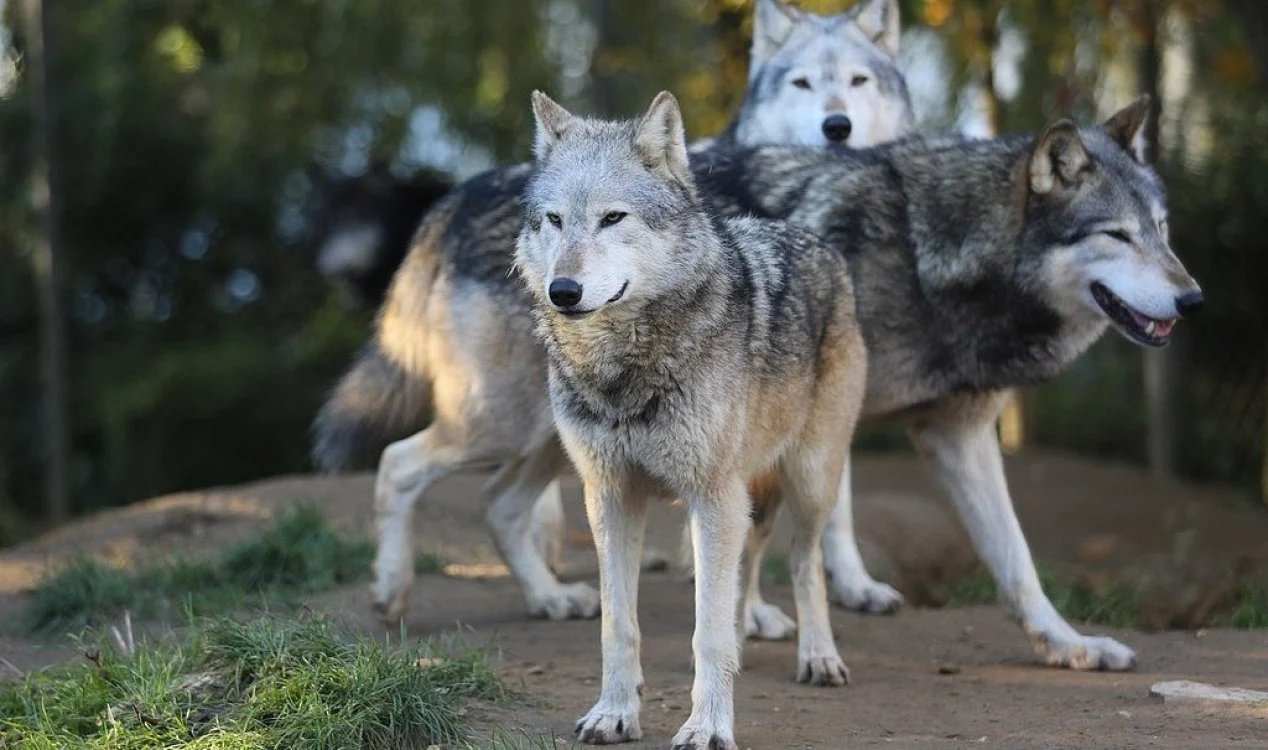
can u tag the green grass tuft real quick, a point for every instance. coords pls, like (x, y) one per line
(298, 554)
(1120, 604)
(268, 683)
(776, 571)
(1251, 610)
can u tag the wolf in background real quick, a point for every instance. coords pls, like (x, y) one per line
(686, 353)
(423, 362)
(812, 80)
(981, 266)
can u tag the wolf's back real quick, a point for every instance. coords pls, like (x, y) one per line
(465, 243)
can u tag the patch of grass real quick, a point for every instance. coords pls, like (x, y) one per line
(267, 683)
(298, 554)
(1251, 610)
(1114, 605)
(427, 562)
(775, 571)
(1117, 604)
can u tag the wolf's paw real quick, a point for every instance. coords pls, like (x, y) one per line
(570, 601)
(823, 671)
(391, 596)
(606, 725)
(696, 736)
(1083, 652)
(864, 595)
(766, 622)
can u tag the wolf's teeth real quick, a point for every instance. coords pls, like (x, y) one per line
(1149, 329)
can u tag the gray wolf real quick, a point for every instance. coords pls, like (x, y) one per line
(686, 353)
(443, 351)
(815, 79)
(979, 267)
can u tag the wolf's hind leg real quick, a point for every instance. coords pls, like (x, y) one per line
(762, 620)
(407, 468)
(517, 500)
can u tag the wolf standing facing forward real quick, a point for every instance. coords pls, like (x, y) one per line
(686, 353)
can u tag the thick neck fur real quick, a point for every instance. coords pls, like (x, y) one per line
(619, 362)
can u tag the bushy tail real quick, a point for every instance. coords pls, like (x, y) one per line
(376, 403)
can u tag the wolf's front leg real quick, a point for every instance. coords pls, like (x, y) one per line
(959, 437)
(718, 527)
(617, 519)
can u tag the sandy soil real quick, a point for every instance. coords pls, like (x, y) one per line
(925, 678)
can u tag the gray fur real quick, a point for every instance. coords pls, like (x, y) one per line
(730, 348)
(969, 283)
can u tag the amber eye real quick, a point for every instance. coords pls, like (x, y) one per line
(611, 218)
(801, 83)
(859, 80)
(555, 221)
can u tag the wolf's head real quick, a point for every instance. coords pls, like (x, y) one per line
(1101, 212)
(606, 204)
(815, 79)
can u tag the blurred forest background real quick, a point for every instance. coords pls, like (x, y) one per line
(186, 138)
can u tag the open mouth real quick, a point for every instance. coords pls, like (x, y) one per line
(1135, 325)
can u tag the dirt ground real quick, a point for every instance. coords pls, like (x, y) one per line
(925, 678)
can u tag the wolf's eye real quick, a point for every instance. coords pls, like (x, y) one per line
(1118, 234)
(555, 221)
(859, 80)
(611, 218)
(801, 83)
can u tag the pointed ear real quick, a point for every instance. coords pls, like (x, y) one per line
(773, 22)
(661, 141)
(879, 21)
(1059, 160)
(553, 122)
(1127, 128)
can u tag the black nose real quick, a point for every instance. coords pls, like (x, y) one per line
(836, 128)
(564, 292)
(1187, 304)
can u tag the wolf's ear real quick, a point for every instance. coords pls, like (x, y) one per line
(553, 122)
(1127, 128)
(773, 22)
(661, 141)
(1059, 160)
(879, 21)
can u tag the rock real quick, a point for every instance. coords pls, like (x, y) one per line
(1186, 690)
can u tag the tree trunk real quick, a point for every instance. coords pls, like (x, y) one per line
(1159, 364)
(47, 262)
(1012, 420)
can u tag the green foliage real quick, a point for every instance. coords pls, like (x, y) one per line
(1251, 610)
(189, 134)
(298, 554)
(1118, 604)
(267, 683)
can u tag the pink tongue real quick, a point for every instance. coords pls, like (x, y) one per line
(1141, 320)
(1162, 328)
